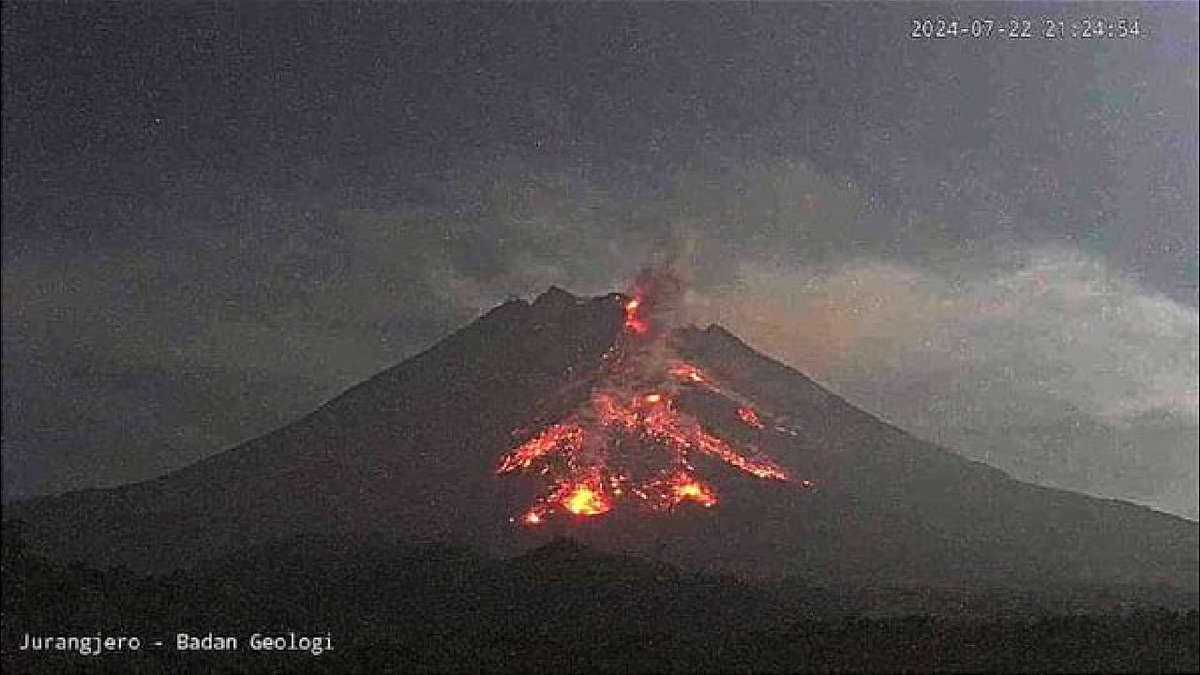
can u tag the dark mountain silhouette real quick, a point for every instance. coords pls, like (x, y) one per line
(412, 454)
(562, 607)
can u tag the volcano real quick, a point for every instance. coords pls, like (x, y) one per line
(600, 419)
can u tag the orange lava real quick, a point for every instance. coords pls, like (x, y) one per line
(650, 421)
(694, 491)
(629, 442)
(750, 417)
(633, 321)
(557, 437)
(686, 372)
(586, 500)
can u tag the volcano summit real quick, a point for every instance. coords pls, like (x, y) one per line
(601, 419)
(631, 439)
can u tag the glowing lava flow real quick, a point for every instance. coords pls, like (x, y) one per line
(586, 499)
(629, 441)
(686, 488)
(560, 437)
(750, 417)
(633, 322)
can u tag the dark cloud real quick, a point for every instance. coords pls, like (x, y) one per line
(1025, 367)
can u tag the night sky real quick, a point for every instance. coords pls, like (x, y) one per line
(216, 217)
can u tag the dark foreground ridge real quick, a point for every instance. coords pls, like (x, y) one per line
(380, 606)
(411, 455)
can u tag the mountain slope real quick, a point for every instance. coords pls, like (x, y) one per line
(413, 453)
